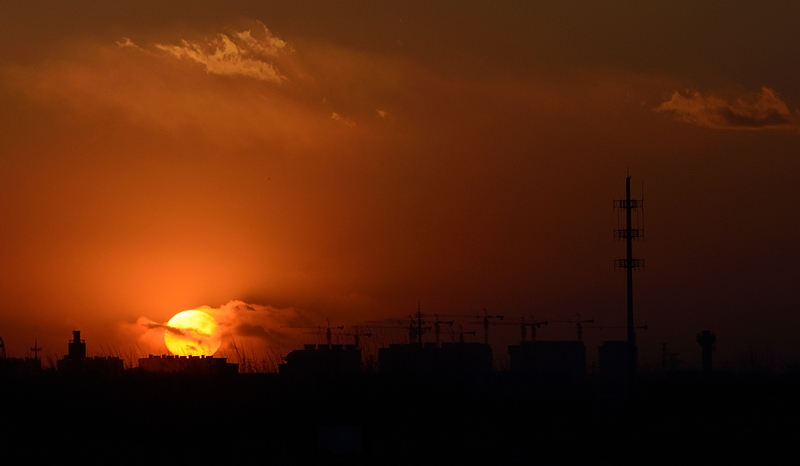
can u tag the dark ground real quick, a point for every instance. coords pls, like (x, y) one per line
(372, 419)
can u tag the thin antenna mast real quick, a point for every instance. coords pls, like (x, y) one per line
(629, 234)
(36, 349)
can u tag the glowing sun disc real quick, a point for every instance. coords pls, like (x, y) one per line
(192, 333)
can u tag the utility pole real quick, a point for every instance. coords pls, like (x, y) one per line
(629, 234)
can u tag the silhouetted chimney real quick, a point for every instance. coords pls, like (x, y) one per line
(77, 347)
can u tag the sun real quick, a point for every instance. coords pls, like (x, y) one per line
(192, 333)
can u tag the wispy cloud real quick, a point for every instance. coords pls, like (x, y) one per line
(127, 42)
(758, 110)
(243, 320)
(243, 53)
(345, 121)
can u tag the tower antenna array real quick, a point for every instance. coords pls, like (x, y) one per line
(629, 234)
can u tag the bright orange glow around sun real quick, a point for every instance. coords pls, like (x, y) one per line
(192, 333)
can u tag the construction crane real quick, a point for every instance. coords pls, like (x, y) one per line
(534, 326)
(395, 324)
(578, 324)
(328, 335)
(416, 326)
(357, 336)
(461, 333)
(437, 327)
(485, 320)
(523, 328)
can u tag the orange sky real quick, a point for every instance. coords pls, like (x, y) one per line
(343, 161)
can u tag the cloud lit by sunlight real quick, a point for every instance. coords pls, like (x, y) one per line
(758, 110)
(345, 121)
(237, 54)
(242, 325)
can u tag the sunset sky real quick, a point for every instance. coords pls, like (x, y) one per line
(284, 162)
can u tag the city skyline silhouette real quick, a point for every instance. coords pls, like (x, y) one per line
(310, 173)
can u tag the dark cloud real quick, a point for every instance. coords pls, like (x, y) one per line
(167, 328)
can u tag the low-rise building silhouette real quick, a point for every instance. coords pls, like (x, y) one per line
(76, 361)
(322, 360)
(614, 358)
(706, 339)
(20, 366)
(557, 360)
(200, 365)
(430, 358)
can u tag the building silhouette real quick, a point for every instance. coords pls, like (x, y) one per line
(432, 359)
(706, 339)
(20, 366)
(322, 360)
(613, 357)
(552, 360)
(76, 361)
(199, 365)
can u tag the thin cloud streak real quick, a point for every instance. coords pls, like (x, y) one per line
(761, 110)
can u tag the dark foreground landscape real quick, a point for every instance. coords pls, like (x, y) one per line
(373, 419)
